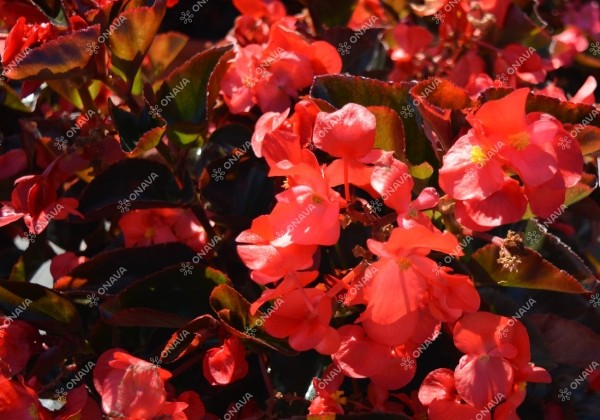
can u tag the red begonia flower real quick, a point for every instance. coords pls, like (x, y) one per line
(409, 41)
(18, 342)
(34, 198)
(225, 364)
(129, 386)
(304, 317)
(269, 262)
(348, 133)
(158, 226)
(19, 402)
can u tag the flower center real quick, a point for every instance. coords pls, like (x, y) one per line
(484, 357)
(520, 140)
(477, 155)
(149, 233)
(404, 264)
(316, 199)
(338, 397)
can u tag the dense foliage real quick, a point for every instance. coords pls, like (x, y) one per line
(268, 209)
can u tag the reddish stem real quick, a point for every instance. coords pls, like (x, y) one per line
(346, 184)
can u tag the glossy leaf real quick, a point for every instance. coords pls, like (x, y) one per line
(10, 99)
(390, 131)
(436, 99)
(568, 341)
(534, 272)
(558, 253)
(588, 138)
(130, 35)
(138, 134)
(170, 291)
(48, 310)
(123, 181)
(138, 262)
(183, 96)
(164, 49)
(234, 311)
(59, 58)
(189, 337)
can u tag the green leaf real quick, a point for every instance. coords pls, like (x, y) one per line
(143, 183)
(63, 57)
(138, 133)
(534, 272)
(171, 291)
(390, 131)
(10, 99)
(48, 310)
(582, 189)
(567, 112)
(588, 138)
(189, 337)
(52, 9)
(341, 90)
(165, 47)
(130, 35)
(422, 171)
(183, 96)
(234, 311)
(558, 253)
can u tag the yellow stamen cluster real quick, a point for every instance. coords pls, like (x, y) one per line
(520, 140)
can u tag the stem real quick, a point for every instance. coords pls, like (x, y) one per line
(187, 364)
(268, 384)
(203, 219)
(86, 99)
(346, 185)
